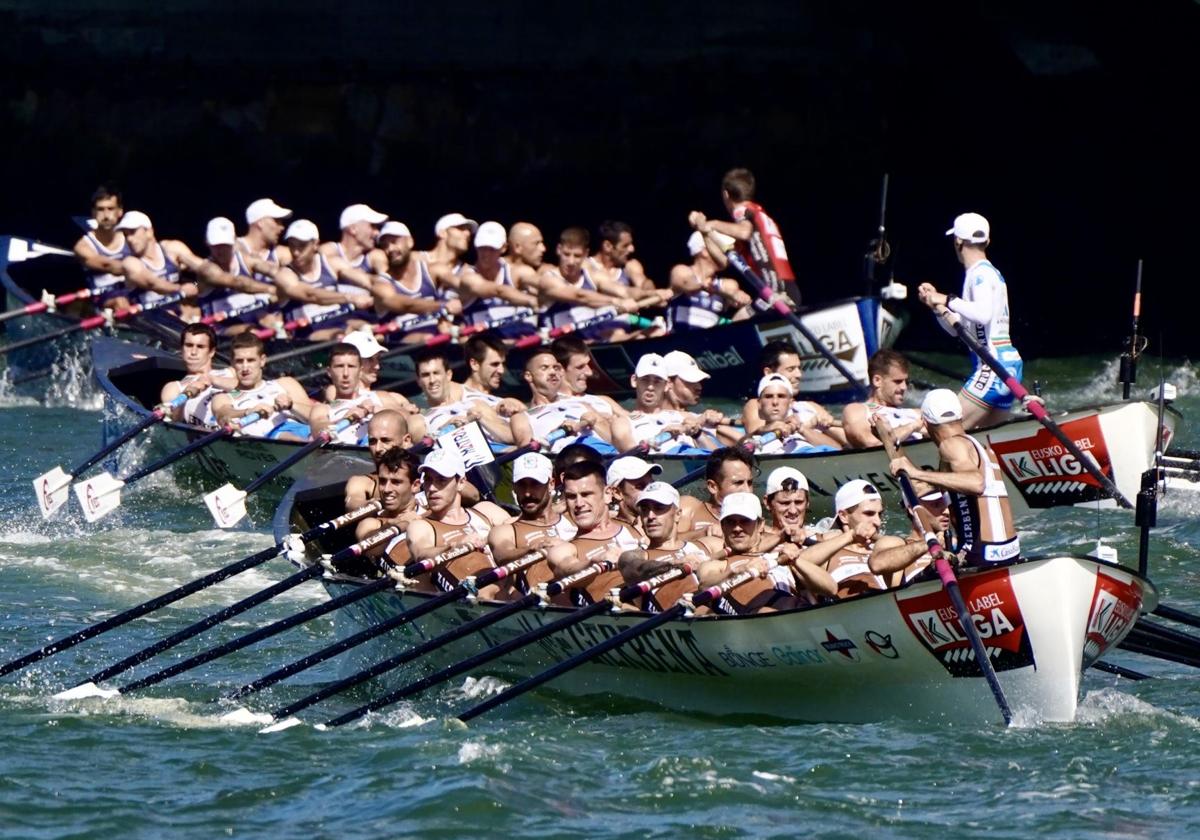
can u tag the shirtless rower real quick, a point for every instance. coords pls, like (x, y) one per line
(279, 402)
(984, 307)
(626, 478)
(448, 524)
(538, 526)
(310, 283)
(385, 430)
(780, 356)
(350, 400)
(490, 242)
(742, 546)
(730, 469)
(660, 428)
(396, 477)
(899, 560)
(657, 508)
(102, 250)
(216, 298)
(450, 405)
(614, 260)
(197, 347)
(887, 371)
(794, 430)
(970, 472)
(859, 515)
(568, 294)
(485, 356)
(359, 226)
(787, 500)
(550, 409)
(702, 298)
(152, 267)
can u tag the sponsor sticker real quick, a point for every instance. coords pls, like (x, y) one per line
(994, 612)
(1115, 605)
(1046, 473)
(840, 330)
(837, 644)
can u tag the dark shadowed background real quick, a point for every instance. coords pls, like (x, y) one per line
(1067, 124)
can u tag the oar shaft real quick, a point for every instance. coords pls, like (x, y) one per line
(288, 462)
(166, 461)
(122, 439)
(43, 305)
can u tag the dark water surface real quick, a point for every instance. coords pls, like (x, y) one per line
(165, 763)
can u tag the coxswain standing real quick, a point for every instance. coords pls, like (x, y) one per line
(984, 307)
(385, 430)
(102, 250)
(887, 371)
(197, 347)
(282, 404)
(970, 471)
(702, 297)
(152, 268)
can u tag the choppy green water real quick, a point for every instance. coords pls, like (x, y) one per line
(165, 763)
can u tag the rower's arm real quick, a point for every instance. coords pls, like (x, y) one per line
(821, 553)
(358, 491)
(214, 275)
(493, 424)
(481, 287)
(965, 474)
(752, 421)
(138, 275)
(893, 554)
(741, 231)
(422, 540)
(93, 260)
(810, 576)
(622, 434)
(856, 422)
(302, 405)
(297, 290)
(387, 297)
(636, 272)
(558, 290)
(978, 310)
(354, 276)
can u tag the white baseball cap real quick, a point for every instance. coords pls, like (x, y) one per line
(445, 461)
(364, 341)
(684, 366)
(660, 492)
(854, 492)
(263, 208)
(454, 220)
(491, 235)
(360, 213)
(778, 476)
(394, 229)
(533, 465)
(941, 405)
(773, 379)
(650, 364)
(219, 231)
(303, 230)
(627, 468)
(971, 227)
(745, 505)
(133, 220)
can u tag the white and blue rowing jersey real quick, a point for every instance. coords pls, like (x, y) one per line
(562, 313)
(425, 289)
(984, 305)
(103, 284)
(320, 276)
(489, 310)
(164, 268)
(697, 311)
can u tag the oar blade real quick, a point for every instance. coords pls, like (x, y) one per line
(86, 690)
(52, 489)
(99, 496)
(227, 504)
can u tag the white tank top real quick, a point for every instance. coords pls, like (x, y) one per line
(646, 427)
(355, 435)
(265, 394)
(198, 410)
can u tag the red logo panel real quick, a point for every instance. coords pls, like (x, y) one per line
(1046, 473)
(1114, 610)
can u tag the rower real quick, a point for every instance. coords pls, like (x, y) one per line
(846, 555)
(397, 471)
(264, 227)
(787, 500)
(568, 294)
(550, 409)
(984, 307)
(197, 347)
(152, 267)
(371, 353)
(702, 297)
(485, 356)
(405, 291)
(215, 297)
(385, 430)
(450, 406)
(614, 260)
(102, 249)
(756, 235)
(359, 226)
(526, 253)
(351, 400)
(780, 356)
(971, 473)
(453, 232)
(658, 516)
(730, 469)
(902, 559)
(282, 404)
(626, 478)
(887, 371)
(448, 524)
(538, 526)
(490, 242)
(662, 429)
(742, 547)
(310, 284)
(685, 386)
(795, 431)
(578, 367)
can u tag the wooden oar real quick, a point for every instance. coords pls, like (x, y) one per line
(485, 578)
(602, 317)
(946, 573)
(1034, 407)
(238, 312)
(187, 589)
(107, 318)
(227, 504)
(51, 488)
(100, 495)
(90, 686)
(48, 303)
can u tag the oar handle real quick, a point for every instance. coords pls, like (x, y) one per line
(561, 585)
(490, 576)
(636, 590)
(338, 522)
(420, 567)
(364, 545)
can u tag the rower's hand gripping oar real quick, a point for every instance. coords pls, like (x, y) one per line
(227, 504)
(51, 488)
(187, 589)
(89, 687)
(1034, 406)
(100, 495)
(949, 582)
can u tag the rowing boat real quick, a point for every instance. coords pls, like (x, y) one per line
(1039, 473)
(896, 654)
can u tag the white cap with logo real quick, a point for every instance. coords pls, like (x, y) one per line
(445, 461)
(853, 493)
(360, 213)
(454, 220)
(219, 232)
(775, 380)
(941, 405)
(491, 235)
(363, 340)
(745, 505)
(302, 230)
(627, 468)
(394, 229)
(650, 364)
(660, 492)
(533, 465)
(971, 227)
(684, 366)
(265, 208)
(778, 476)
(133, 220)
